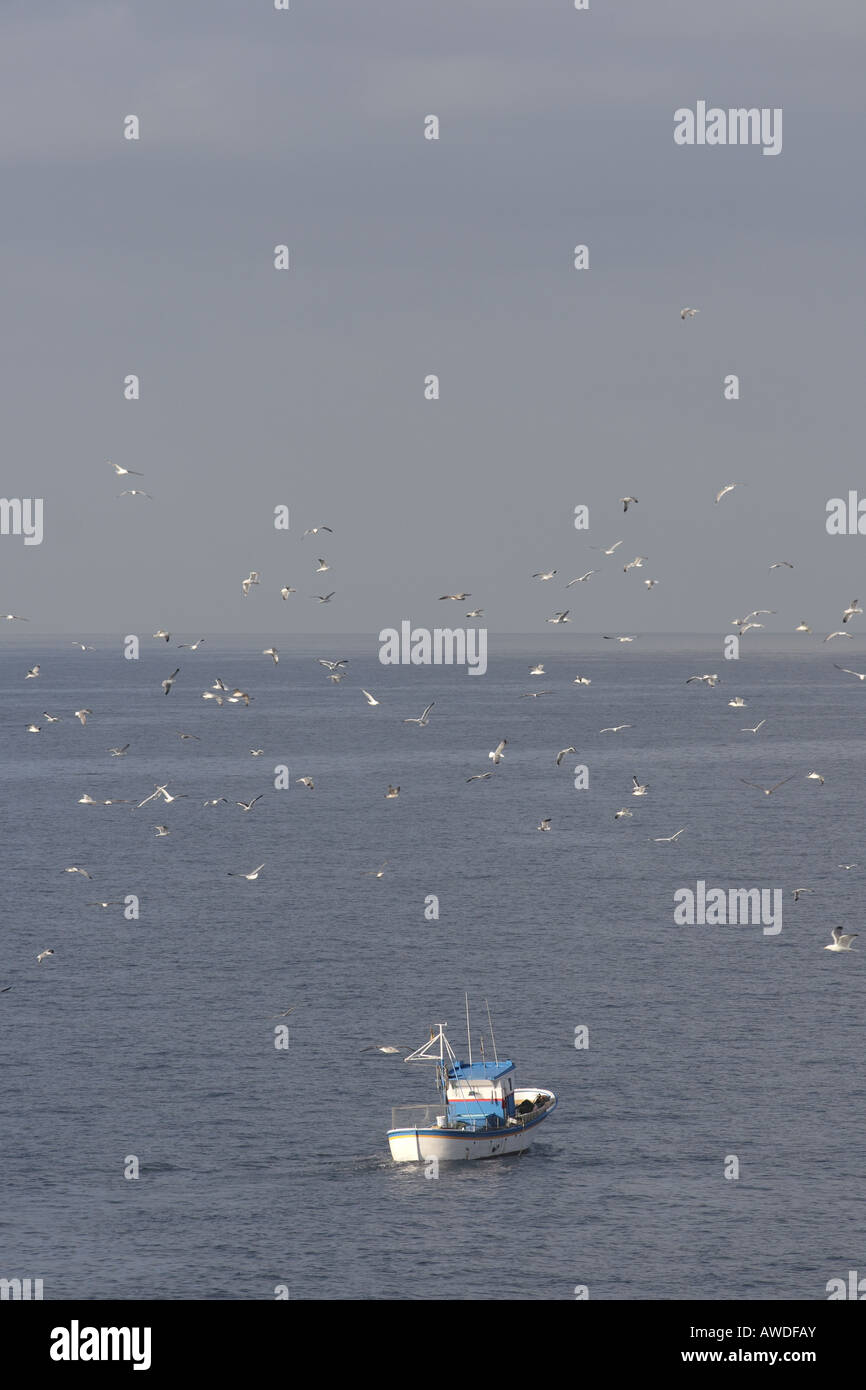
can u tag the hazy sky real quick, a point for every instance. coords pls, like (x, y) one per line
(412, 257)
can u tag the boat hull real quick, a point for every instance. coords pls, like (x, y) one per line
(457, 1145)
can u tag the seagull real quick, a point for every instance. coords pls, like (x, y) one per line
(371, 700)
(619, 815)
(190, 646)
(314, 531)
(777, 565)
(802, 627)
(285, 1012)
(498, 753)
(248, 805)
(454, 597)
(560, 617)
(183, 735)
(161, 831)
(545, 823)
(15, 618)
(83, 646)
(544, 574)
(581, 680)
(286, 590)
(668, 839)
(851, 610)
(635, 564)
(606, 552)
(51, 718)
(272, 651)
(841, 940)
(562, 752)
(581, 578)
(237, 696)
(206, 695)
(384, 1047)
(795, 893)
(639, 788)
(861, 675)
(391, 792)
(161, 633)
(768, 791)
(723, 491)
(246, 584)
(814, 777)
(747, 627)
(737, 703)
(534, 694)
(219, 684)
(831, 635)
(169, 681)
(215, 801)
(117, 903)
(32, 673)
(475, 613)
(257, 752)
(755, 730)
(251, 877)
(74, 869)
(480, 776)
(846, 866)
(536, 670)
(81, 715)
(625, 501)
(337, 676)
(423, 719)
(324, 598)
(135, 492)
(321, 566)
(306, 782)
(615, 728)
(332, 665)
(650, 583)
(633, 638)
(125, 472)
(710, 680)
(688, 313)
(118, 752)
(42, 955)
(33, 729)
(376, 873)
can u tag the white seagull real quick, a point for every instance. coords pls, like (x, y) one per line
(498, 753)
(841, 940)
(422, 719)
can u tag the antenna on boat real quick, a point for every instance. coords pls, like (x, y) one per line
(468, 1034)
(492, 1038)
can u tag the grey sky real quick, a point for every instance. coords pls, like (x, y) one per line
(412, 257)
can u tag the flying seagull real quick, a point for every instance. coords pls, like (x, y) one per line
(768, 791)
(376, 873)
(286, 590)
(851, 610)
(454, 597)
(190, 646)
(248, 805)
(251, 877)
(604, 551)
(581, 578)
(306, 782)
(795, 893)
(723, 491)
(246, 584)
(423, 719)
(324, 598)
(42, 955)
(814, 777)
(498, 753)
(74, 869)
(371, 700)
(861, 675)
(688, 313)
(755, 730)
(314, 531)
(831, 635)
(621, 814)
(562, 752)
(272, 652)
(778, 564)
(81, 715)
(615, 728)
(119, 752)
(135, 492)
(625, 501)
(544, 574)
(710, 680)
(169, 681)
(639, 788)
(480, 776)
(161, 632)
(391, 792)
(125, 472)
(668, 839)
(841, 940)
(560, 617)
(545, 823)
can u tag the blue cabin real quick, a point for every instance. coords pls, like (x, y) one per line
(479, 1095)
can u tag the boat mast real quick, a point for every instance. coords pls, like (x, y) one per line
(492, 1038)
(468, 1034)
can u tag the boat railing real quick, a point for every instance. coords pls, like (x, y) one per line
(416, 1116)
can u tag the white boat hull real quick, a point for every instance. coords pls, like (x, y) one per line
(417, 1145)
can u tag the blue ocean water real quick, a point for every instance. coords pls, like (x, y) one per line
(259, 1167)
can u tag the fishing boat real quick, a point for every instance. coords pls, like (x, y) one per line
(480, 1112)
